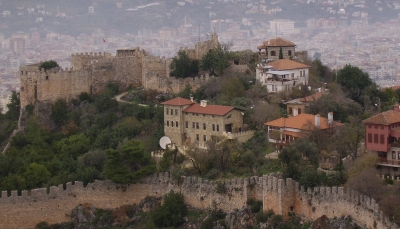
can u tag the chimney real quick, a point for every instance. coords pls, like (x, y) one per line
(295, 112)
(203, 103)
(191, 98)
(330, 118)
(396, 107)
(317, 120)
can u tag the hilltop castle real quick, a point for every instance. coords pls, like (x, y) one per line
(91, 72)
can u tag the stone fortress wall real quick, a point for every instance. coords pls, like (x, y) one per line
(282, 196)
(91, 72)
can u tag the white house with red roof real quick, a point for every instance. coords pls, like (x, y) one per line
(187, 122)
(282, 75)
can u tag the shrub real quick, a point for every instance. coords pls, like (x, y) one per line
(264, 216)
(42, 225)
(220, 188)
(171, 213)
(48, 64)
(255, 205)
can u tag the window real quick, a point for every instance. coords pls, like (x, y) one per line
(204, 126)
(290, 111)
(176, 111)
(369, 126)
(289, 53)
(393, 155)
(375, 138)
(193, 125)
(213, 127)
(167, 110)
(197, 137)
(292, 75)
(176, 124)
(376, 127)
(301, 73)
(299, 111)
(217, 127)
(382, 139)
(204, 138)
(370, 138)
(187, 124)
(172, 123)
(167, 123)
(381, 127)
(398, 156)
(172, 111)
(273, 53)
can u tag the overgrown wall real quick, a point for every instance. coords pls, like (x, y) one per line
(282, 196)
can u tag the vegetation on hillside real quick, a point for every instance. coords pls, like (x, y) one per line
(95, 137)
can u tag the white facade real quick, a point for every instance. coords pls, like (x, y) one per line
(277, 81)
(282, 27)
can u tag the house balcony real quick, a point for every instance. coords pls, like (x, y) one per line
(384, 161)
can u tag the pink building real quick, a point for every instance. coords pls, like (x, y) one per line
(382, 136)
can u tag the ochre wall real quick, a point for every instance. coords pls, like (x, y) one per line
(279, 195)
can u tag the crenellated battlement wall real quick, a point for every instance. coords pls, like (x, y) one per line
(91, 72)
(82, 60)
(282, 196)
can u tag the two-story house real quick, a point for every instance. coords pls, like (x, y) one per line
(270, 49)
(282, 75)
(382, 137)
(186, 122)
(284, 130)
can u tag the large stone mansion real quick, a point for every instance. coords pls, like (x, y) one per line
(187, 122)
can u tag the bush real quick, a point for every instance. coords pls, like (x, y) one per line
(220, 188)
(264, 216)
(171, 213)
(48, 64)
(42, 225)
(255, 205)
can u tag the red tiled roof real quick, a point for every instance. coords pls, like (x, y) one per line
(277, 42)
(301, 121)
(178, 102)
(313, 97)
(209, 109)
(285, 64)
(384, 118)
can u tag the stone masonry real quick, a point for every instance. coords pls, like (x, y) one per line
(91, 72)
(281, 196)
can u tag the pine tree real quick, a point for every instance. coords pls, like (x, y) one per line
(280, 53)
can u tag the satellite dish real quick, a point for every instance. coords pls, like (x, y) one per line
(164, 141)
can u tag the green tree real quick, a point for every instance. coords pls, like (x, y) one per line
(354, 80)
(59, 112)
(36, 175)
(182, 66)
(129, 163)
(172, 212)
(48, 64)
(280, 53)
(14, 106)
(215, 61)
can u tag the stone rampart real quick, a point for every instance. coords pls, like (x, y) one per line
(282, 196)
(91, 72)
